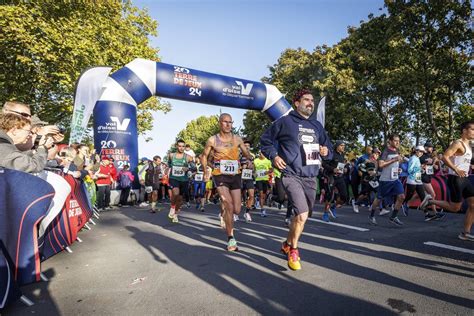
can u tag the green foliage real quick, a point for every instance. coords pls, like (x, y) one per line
(407, 72)
(197, 132)
(255, 123)
(45, 45)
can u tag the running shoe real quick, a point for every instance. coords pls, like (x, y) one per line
(247, 217)
(294, 260)
(143, 204)
(171, 213)
(372, 220)
(152, 210)
(466, 236)
(285, 248)
(188, 205)
(326, 217)
(232, 245)
(202, 208)
(430, 217)
(197, 205)
(263, 213)
(287, 221)
(236, 218)
(425, 202)
(222, 222)
(332, 212)
(405, 209)
(175, 219)
(440, 215)
(355, 207)
(384, 212)
(395, 221)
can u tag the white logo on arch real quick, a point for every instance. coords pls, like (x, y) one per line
(121, 126)
(245, 89)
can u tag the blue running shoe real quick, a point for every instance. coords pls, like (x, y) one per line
(332, 212)
(405, 209)
(326, 217)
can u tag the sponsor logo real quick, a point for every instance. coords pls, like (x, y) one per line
(115, 126)
(245, 90)
(239, 90)
(121, 126)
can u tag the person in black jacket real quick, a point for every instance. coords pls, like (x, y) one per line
(334, 179)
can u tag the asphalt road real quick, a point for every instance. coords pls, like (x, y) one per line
(137, 263)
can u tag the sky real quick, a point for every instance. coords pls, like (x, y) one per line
(239, 38)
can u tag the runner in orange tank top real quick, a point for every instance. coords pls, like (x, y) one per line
(226, 149)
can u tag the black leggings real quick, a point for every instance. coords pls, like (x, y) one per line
(411, 188)
(280, 196)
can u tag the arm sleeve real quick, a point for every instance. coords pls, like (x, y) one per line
(325, 141)
(268, 139)
(23, 162)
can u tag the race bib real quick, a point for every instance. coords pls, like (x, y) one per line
(311, 152)
(247, 174)
(261, 173)
(229, 167)
(177, 171)
(374, 184)
(198, 177)
(394, 173)
(340, 167)
(429, 170)
(418, 176)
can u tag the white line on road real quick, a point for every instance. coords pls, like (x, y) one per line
(435, 244)
(340, 225)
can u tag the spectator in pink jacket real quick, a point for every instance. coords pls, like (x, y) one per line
(125, 179)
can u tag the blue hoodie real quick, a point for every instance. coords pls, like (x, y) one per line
(285, 138)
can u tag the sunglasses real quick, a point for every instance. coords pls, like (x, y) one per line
(21, 113)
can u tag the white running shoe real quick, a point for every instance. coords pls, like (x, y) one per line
(287, 221)
(425, 202)
(222, 222)
(236, 218)
(247, 217)
(355, 207)
(263, 213)
(143, 204)
(384, 212)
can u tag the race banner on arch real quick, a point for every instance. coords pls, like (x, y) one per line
(115, 113)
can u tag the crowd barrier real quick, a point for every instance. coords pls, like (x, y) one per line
(40, 216)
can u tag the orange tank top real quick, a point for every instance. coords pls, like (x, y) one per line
(228, 153)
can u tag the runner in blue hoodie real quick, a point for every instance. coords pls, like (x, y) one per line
(295, 144)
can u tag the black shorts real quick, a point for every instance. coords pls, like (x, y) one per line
(248, 185)
(366, 188)
(262, 186)
(233, 182)
(460, 188)
(181, 185)
(426, 178)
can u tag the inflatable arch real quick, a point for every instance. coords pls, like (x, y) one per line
(115, 114)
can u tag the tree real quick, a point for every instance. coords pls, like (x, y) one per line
(45, 45)
(255, 123)
(197, 132)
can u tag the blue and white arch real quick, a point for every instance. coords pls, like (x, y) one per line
(115, 114)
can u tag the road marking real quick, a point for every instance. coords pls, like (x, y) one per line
(340, 225)
(435, 244)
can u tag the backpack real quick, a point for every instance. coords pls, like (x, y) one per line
(125, 181)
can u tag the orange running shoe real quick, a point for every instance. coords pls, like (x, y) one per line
(285, 248)
(294, 260)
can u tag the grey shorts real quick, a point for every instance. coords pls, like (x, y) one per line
(301, 192)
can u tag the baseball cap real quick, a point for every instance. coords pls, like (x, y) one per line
(36, 121)
(428, 144)
(376, 150)
(420, 148)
